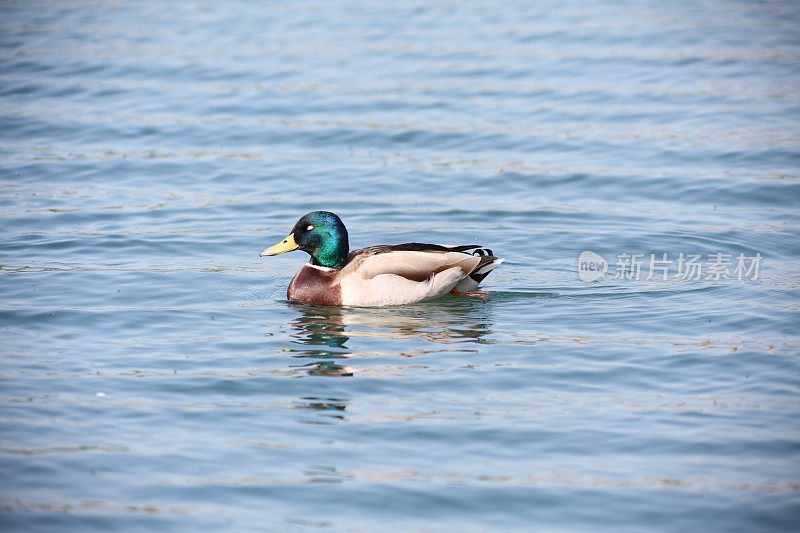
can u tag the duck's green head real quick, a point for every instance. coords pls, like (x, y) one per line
(322, 235)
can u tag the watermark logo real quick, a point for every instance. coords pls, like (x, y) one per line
(659, 267)
(591, 266)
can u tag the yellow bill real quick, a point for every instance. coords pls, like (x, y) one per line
(286, 245)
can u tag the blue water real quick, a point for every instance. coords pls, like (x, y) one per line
(155, 377)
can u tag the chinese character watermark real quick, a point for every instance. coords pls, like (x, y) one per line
(716, 267)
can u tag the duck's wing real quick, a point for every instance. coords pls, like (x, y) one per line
(414, 261)
(409, 247)
(405, 273)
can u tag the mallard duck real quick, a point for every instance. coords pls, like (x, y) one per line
(377, 275)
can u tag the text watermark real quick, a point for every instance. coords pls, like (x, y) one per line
(661, 267)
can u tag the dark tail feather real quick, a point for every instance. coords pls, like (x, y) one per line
(485, 266)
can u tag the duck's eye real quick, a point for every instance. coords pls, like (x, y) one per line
(309, 228)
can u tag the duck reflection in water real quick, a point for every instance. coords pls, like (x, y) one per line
(328, 407)
(328, 334)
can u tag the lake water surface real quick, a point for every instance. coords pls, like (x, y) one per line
(154, 377)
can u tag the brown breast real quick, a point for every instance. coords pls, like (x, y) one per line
(315, 287)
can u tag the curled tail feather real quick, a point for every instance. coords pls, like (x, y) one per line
(487, 264)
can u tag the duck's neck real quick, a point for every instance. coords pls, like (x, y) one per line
(333, 252)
